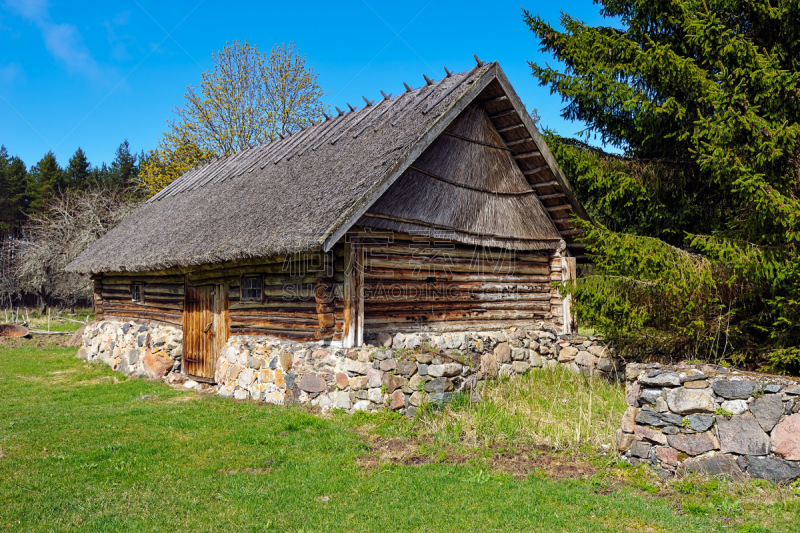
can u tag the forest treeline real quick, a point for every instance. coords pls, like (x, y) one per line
(49, 194)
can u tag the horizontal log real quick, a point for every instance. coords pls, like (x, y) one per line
(372, 308)
(416, 275)
(381, 296)
(282, 324)
(444, 327)
(127, 279)
(272, 303)
(172, 318)
(112, 304)
(447, 316)
(299, 336)
(423, 251)
(278, 312)
(400, 288)
(451, 264)
(286, 269)
(165, 288)
(123, 318)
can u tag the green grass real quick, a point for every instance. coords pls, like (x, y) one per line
(81, 451)
(552, 407)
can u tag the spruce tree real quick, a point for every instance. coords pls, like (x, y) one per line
(78, 171)
(45, 180)
(696, 225)
(124, 170)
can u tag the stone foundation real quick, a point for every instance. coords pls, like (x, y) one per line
(709, 419)
(397, 372)
(134, 349)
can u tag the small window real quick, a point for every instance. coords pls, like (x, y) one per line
(251, 288)
(136, 292)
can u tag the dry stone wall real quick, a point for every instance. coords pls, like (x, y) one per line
(134, 349)
(710, 419)
(397, 372)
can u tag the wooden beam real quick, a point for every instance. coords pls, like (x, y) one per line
(535, 153)
(551, 196)
(532, 171)
(519, 141)
(575, 245)
(562, 220)
(503, 114)
(558, 207)
(511, 128)
(497, 99)
(570, 232)
(350, 309)
(544, 184)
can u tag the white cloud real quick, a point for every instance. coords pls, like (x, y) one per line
(63, 41)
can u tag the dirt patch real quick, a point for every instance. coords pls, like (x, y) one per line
(36, 341)
(520, 463)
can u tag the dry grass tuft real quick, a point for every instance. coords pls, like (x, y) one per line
(555, 408)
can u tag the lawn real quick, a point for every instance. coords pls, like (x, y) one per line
(83, 448)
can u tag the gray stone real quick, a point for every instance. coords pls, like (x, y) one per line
(793, 389)
(417, 398)
(773, 389)
(584, 358)
(141, 341)
(734, 390)
(441, 384)
(520, 367)
(736, 407)
(399, 341)
(518, 354)
(666, 379)
(241, 394)
(362, 395)
(650, 395)
(719, 464)
(502, 353)
(606, 364)
(687, 401)
(356, 367)
(384, 339)
(695, 444)
(661, 405)
(342, 400)
(388, 365)
(436, 371)
(252, 362)
(362, 405)
(393, 382)
(246, 377)
(441, 398)
(406, 368)
(424, 358)
(772, 469)
(311, 383)
(422, 369)
(742, 434)
(649, 418)
(374, 377)
(700, 422)
(535, 360)
(451, 369)
(289, 378)
(670, 430)
(567, 354)
(641, 449)
(375, 396)
(767, 410)
(381, 355)
(415, 381)
(692, 375)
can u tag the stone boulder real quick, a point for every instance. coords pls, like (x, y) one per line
(695, 444)
(734, 390)
(660, 379)
(767, 410)
(313, 383)
(156, 364)
(786, 438)
(742, 434)
(502, 353)
(773, 469)
(687, 401)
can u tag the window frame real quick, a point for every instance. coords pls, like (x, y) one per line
(140, 286)
(260, 279)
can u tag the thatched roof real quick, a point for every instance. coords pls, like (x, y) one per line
(305, 191)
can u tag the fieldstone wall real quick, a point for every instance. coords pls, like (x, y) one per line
(397, 372)
(710, 419)
(134, 349)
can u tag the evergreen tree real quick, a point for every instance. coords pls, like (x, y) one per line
(45, 180)
(697, 224)
(13, 180)
(124, 170)
(77, 173)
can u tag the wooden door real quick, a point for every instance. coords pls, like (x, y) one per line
(199, 353)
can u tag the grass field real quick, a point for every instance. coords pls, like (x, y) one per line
(83, 448)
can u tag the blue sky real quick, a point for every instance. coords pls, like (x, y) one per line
(91, 74)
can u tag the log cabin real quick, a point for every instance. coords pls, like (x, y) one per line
(439, 209)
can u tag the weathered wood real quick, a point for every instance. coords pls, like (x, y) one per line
(527, 155)
(400, 287)
(374, 308)
(144, 321)
(326, 320)
(299, 336)
(453, 264)
(119, 278)
(291, 324)
(510, 128)
(272, 303)
(465, 325)
(432, 295)
(325, 308)
(503, 114)
(445, 316)
(415, 275)
(324, 333)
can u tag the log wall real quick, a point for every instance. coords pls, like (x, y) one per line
(162, 297)
(422, 284)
